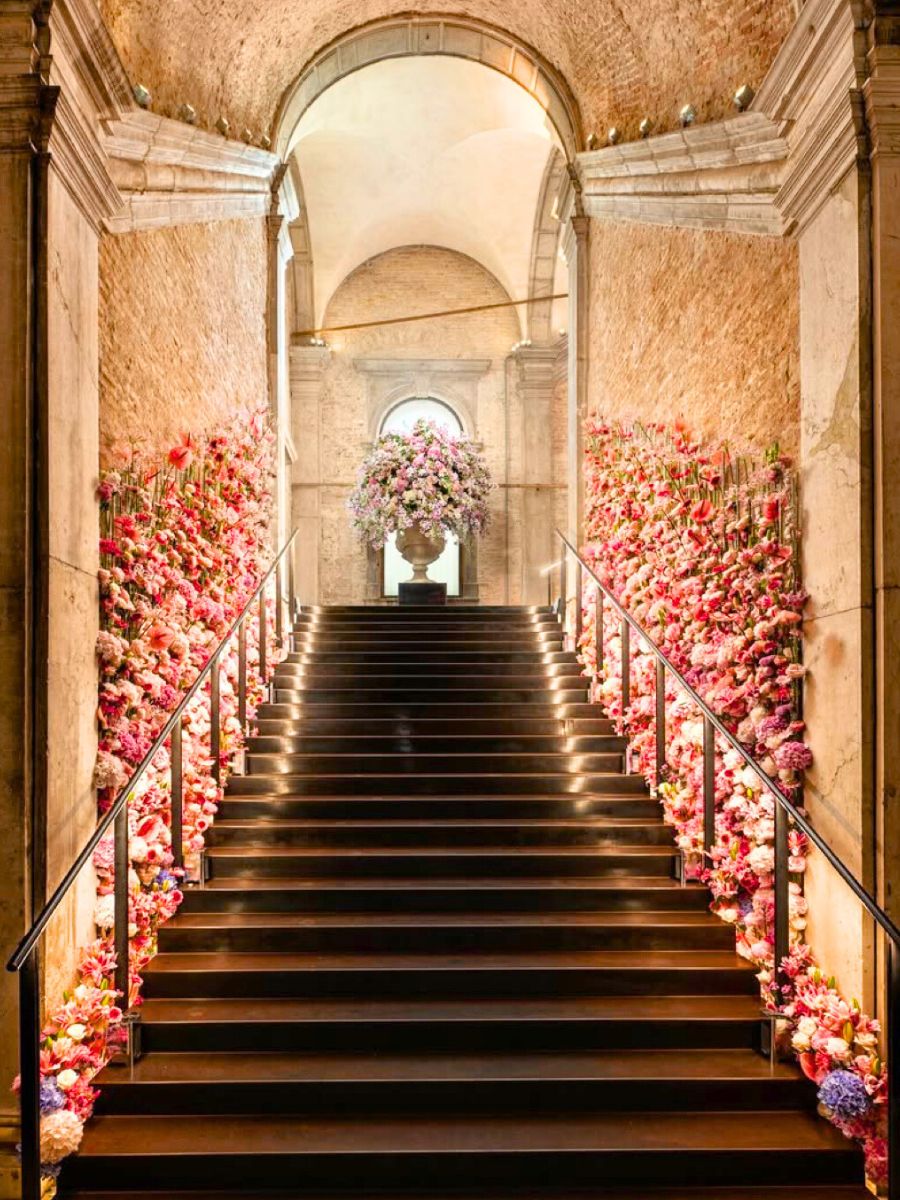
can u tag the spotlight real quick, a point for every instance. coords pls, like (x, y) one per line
(188, 114)
(645, 127)
(142, 96)
(614, 135)
(591, 142)
(223, 126)
(688, 115)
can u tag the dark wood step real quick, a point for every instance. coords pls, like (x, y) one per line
(425, 861)
(438, 710)
(441, 1024)
(409, 743)
(412, 1150)
(294, 720)
(280, 1082)
(424, 831)
(430, 933)
(263, 806)
(534, 973)
(511, 783)
(720, 1192)
(424, 667)
(423, 763)
(350, 894)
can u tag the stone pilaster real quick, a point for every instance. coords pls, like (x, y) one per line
(307, 379)
(535, 371)
(813, 92)
(882, 95)
(575, 248)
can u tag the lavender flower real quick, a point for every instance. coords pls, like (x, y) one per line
(845, 1095)
(52, 1098)
(769, 726)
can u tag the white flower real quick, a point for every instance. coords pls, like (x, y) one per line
(803, 1034)
(66, 1079)
(61, 1133)
(77, 1032)
(837, 1048)
(105, 912)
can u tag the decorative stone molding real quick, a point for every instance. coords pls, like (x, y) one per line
(171, 173)
(813, 92)
(545, 247)
(725, 175)
(457, 37)
(882, 98)
(453, 380)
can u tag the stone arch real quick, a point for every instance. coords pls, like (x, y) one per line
(545, 248)
(416, 34)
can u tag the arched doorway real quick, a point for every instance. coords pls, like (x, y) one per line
(401, 419)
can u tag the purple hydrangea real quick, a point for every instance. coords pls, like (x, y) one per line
(844, 1094)
(52, 1098)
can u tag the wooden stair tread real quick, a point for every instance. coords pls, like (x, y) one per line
(272, 1066)
(505, 1009)
(225, 1135)
(601, 920)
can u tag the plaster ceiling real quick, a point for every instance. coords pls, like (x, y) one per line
(623, 59)
(422, 151)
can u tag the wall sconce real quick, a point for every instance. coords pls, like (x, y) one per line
(142, 96)
(743, 97)
(188, 114)
(645, 127)
(223, 126)
(688, 115)
(614, 135)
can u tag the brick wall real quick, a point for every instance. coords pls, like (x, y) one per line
(696, 324)
(623, 61)
(182, 329)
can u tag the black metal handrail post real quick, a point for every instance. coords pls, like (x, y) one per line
(786, 815)
(26, 958)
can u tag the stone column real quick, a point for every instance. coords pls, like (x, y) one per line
(575, 249)
(882, 92)
(307, 377)
(535, 377)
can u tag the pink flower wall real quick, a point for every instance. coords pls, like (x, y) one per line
(700, 546)
(184, 541)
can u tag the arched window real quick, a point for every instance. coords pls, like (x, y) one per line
(400, 419)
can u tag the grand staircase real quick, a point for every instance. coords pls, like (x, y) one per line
(442, 953)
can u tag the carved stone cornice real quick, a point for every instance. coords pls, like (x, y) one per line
(813, 92)
(22, 74)
(171, 173)
(724, 175)
(882, 97)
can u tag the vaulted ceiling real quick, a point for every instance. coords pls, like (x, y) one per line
(623, 59)
(423, 151)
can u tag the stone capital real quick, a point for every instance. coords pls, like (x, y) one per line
(882, 97)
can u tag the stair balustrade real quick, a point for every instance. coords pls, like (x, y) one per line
(25, 960)
(786, 812)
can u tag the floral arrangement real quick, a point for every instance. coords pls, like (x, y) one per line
(184, 543)
(427, 478)
(700, 546)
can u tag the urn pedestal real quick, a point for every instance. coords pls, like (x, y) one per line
(420, 550)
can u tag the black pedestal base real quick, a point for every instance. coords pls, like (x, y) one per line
(423, 593)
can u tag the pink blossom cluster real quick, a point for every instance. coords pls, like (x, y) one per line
(700, 546)
(427, 478)
(184, 543)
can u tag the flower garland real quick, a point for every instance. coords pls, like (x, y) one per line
(184, 543)
(427, 478)
(700, 547)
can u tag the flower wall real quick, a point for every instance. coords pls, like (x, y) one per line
(700, 546)
(185, 540)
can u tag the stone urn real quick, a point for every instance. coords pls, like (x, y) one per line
(420, 550)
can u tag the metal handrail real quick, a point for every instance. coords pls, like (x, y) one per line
(785, 812)
(862, 894)
(24, 959)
